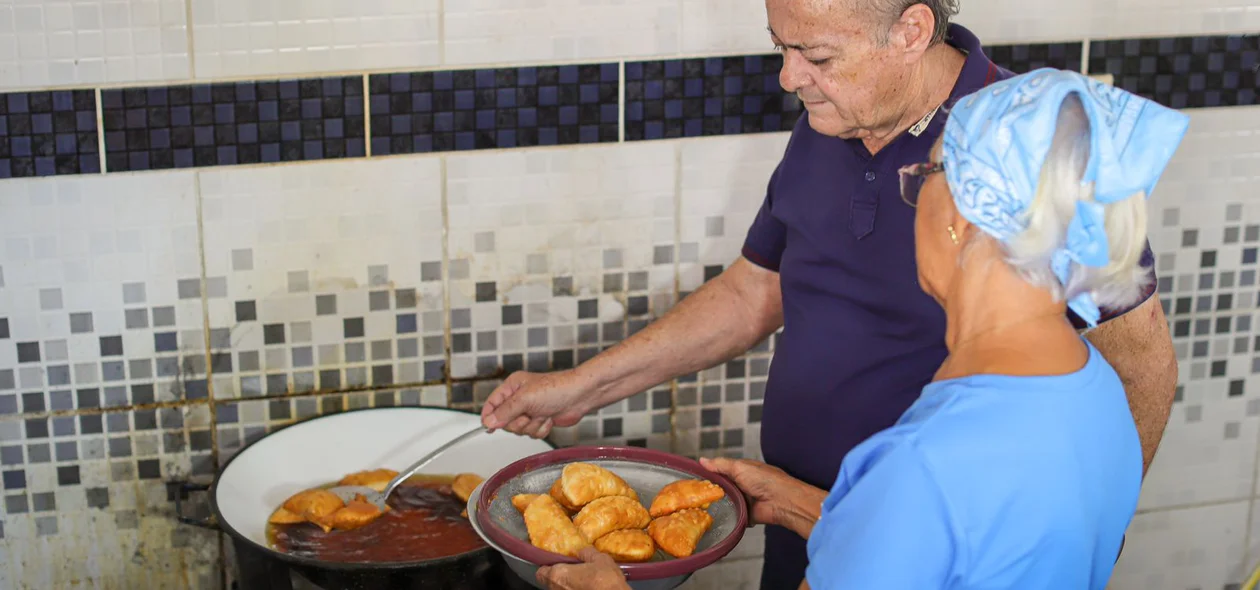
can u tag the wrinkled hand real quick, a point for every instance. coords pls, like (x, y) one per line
(775, 498)
(596, 572)
(532, 403)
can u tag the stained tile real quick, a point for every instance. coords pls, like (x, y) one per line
(1023, 58)
(707, 96)
(1183, 72)
(233, 123)
(48, 133)
(493, 108)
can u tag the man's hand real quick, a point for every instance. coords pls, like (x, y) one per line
(597, 572)
(532, 403)
(775, 497)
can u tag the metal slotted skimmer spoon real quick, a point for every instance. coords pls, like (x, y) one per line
(348, 493)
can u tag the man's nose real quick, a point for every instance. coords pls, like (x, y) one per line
(792, 76)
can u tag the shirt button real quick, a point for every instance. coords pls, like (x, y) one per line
(870, 176)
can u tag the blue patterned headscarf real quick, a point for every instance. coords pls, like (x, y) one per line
(996, 141)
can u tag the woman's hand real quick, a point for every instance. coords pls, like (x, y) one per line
(597, 572)
(775, 497)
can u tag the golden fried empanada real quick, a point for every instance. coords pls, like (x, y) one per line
(314, 504)
(684, 494)
(550, 528)
(521, 501)
(356, 513)
(580, 483)
(608, 514)
(283, 516)
(627, 546)
(376, 479)
(679, 532)
(556, 494)
(464, 485)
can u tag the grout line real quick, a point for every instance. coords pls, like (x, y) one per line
(1251, 508)
(621, 101)
(446, 284)
(205, 319)
(673, 395)
(192, 60)
(100, 130)
(441, 31)
(1085, 56)
(1205, 504)
(367, 117)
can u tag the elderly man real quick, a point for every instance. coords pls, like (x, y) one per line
(830, 258)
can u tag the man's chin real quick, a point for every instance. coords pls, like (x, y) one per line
(828, 126)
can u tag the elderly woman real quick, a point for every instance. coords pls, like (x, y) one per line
(1019, 466)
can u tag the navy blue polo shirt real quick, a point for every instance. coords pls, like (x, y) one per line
(860, 338)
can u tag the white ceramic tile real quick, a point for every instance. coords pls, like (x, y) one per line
(487, 31)
(551, 250)
(56, 42)
(1202, 458)
(729, 574)
(1183, 549)
(998, 21)
(249, 38)
(332, 258)
(82, 254)
(720, 26)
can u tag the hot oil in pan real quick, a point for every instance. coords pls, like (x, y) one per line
(424, 523)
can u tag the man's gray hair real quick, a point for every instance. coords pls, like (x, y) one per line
(943, 10)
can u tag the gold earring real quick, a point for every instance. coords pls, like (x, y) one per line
(952, 235)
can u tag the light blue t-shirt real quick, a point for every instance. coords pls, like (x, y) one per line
(987, 482)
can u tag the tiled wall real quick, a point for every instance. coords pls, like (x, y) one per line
(170, 292)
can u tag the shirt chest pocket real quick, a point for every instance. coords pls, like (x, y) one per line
(862, 210)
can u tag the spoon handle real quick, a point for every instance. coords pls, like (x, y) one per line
(408, 472)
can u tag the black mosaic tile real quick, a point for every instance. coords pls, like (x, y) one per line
(233, 123)
(1024, 58)
(493, 108)
(707, 96)
(48, 133)
(1183, 72)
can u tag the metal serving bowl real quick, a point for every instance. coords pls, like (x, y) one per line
(647, 471)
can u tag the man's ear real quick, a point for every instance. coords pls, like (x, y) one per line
(913, 31)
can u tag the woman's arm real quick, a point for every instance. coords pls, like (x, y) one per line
(776, 498)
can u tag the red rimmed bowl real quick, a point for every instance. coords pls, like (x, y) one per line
(645, 470)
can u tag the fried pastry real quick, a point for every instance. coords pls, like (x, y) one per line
(521, 501)
(684, 494)
(559, 497)
(376, 479)
(356, 513)
(314, 504)
(283, 516)
(581, 483)
(627, 546)
(679, 532)
(608, 514)
(550, 528)
(464, 485)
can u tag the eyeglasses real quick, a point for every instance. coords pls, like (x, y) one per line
(913, 177)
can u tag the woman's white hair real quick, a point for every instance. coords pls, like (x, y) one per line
(1122, 281)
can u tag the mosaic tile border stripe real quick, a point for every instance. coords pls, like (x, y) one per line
(48, 133)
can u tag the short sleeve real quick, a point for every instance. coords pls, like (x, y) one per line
(1147, 262)
(891, 530)
(767, 236)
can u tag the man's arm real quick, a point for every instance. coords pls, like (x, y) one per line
(1139, 347)
(721, 320)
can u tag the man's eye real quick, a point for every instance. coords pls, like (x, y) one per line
(820, 62)
(779, 48)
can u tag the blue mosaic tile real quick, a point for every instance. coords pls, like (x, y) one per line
(707, 96)
(1183, 72)
(233, 123)
(1025, 58)
(493, 108)
(48, 133)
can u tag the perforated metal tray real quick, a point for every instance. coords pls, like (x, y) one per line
(647, 471)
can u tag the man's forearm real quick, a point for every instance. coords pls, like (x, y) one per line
(719, 321)
(1139, 347)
